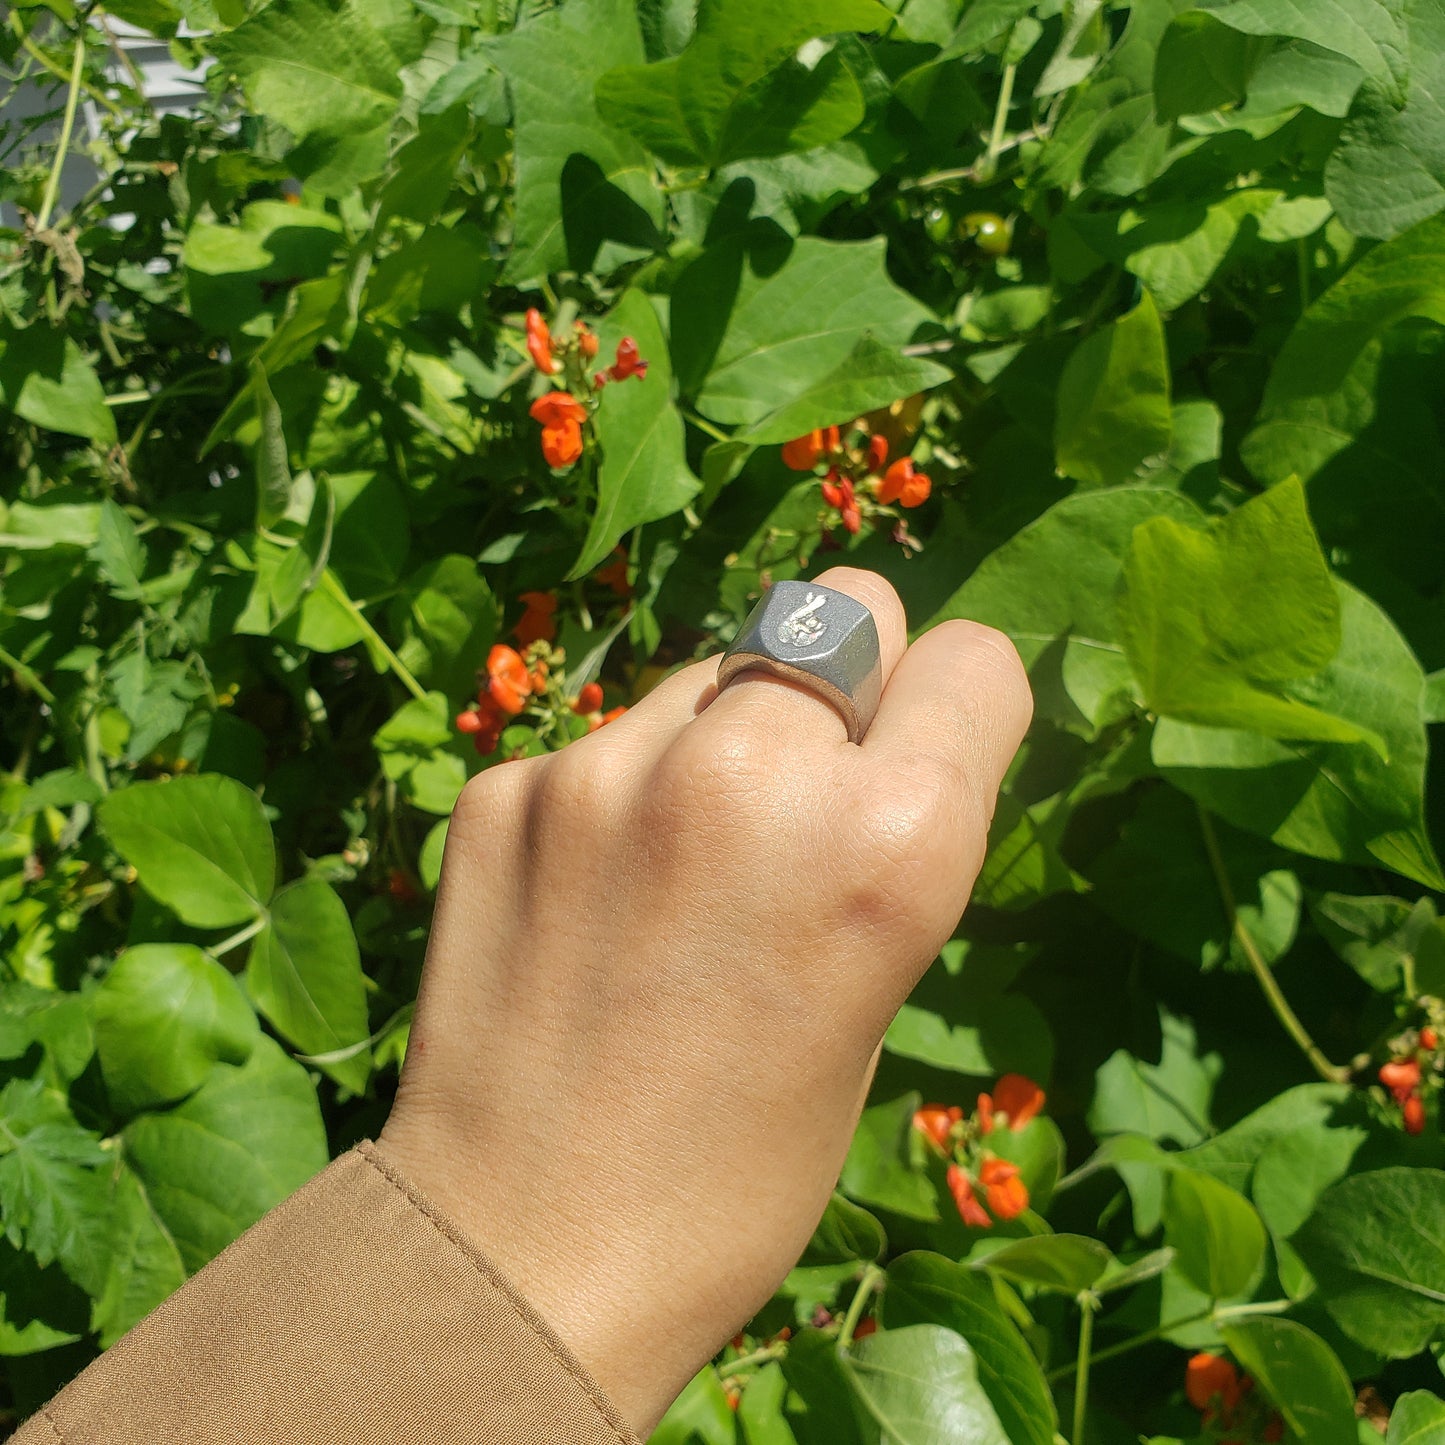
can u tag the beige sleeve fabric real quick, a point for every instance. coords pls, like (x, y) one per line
(353, 1312)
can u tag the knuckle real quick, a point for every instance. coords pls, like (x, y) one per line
(1000, 659)
(577, 787)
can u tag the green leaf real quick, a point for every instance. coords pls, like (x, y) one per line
(845, 1232)
(644, 474)
(305, 976)
(164, 1014)
(1217, 624)
(879, 1169)
(929, 1289)
(736, 91)
(46, 380)
(1330, 801)
(700, 1415)
(52, 1190)
(1203, 65)
(416, 749)
(1417, 1418)
(1159, 880)
(145, 1263)
(921, 1385)
(751, 340)
(446, 619)
(273, 466)
(1300, 1374)
(1061, 1263)
(983, 1035)
(118, 553)
(1113, 402)
(57, 1022)
(1372, 1246)
(1403, 279)
(324, 71)
(1051, 588)
(584, 192)
(201, 846)
(1388, 170)
(1369, 32)
(214, 1164)
(1169, 1100)
(1379, 937)
(1217, 1235)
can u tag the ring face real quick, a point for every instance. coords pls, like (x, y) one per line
(812, 635)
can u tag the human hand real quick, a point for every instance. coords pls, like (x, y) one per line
(660, 970)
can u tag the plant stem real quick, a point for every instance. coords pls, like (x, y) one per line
(872, 1278)
(757, 1357)
(62, 149)
(1000, 121)
(27, 675)
(403, 673)
(38, 55)
(1087, 1304)
(1330, 1073)
(1135, 1342)
(240, 936)
(704, 425)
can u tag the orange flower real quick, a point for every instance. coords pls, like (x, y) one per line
(877, 451)
(1018, 1097)
(985, 1114)
(936, 1123)
(902, 483)
(628, 362)
(802, 453)
(588, 700)
(1412, 1111)
(614, 574)
(970, 1210)
(1212, 1385)
(539, 343)
(536, 623)
(484, 723)
(838, 492)
(1401, 1077)
(612, 715)
(586, 339)
(1429, 1039)
(561, 415)
(508, 684)
(1007, 1194)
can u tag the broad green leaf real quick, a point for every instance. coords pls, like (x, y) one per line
(880, 1170)
(1113, 404)
(869, 378)
(979, 1034)
(1388, 170)
(1300, 1374)
(1051, 588)
(828, 1411)
(748, 341)
(1161, 880)
(287, 572)
(1418, 1418)
(46, 380)
(56, 1021)
(760, 1412)
(1372, 1245)
(1379, 937)
(737, 91)
(1169, 1100)
(1402, 280)
(845, 1232)
(321, 71)
(1296, 73)
(1062, 1263)
(446, 619)
(164, 1014)
(1218, 623)
(1216, 1234)
(53, 1195)
(1370, 32)
(1176, 247)
(921, 1385)
(417, 750)
(644, 474)
(214, 1164)
(700, 1415)
(201, 846)
(39, 1308)
(584, 192)
(1231, 1156)
(929, 1289)
(305, 975)
(1203, 65)
(145, 1262)
(1341, 801)
(119, 553)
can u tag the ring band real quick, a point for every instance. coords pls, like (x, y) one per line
(825, 640)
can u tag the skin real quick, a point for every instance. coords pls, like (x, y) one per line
(661, 968)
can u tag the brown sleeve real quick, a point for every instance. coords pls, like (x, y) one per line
(354, 1311)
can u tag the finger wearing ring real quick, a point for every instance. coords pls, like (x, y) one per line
(817, 637)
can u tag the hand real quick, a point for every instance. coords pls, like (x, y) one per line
(661, 967)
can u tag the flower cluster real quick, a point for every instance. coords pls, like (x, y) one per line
(1407, 1074)
(976, 1176)
(858, 481)
(1227, 1404)
(561, 412)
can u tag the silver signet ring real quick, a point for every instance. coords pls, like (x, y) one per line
(825, 640)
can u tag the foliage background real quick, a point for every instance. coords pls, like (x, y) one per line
(271, 493)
